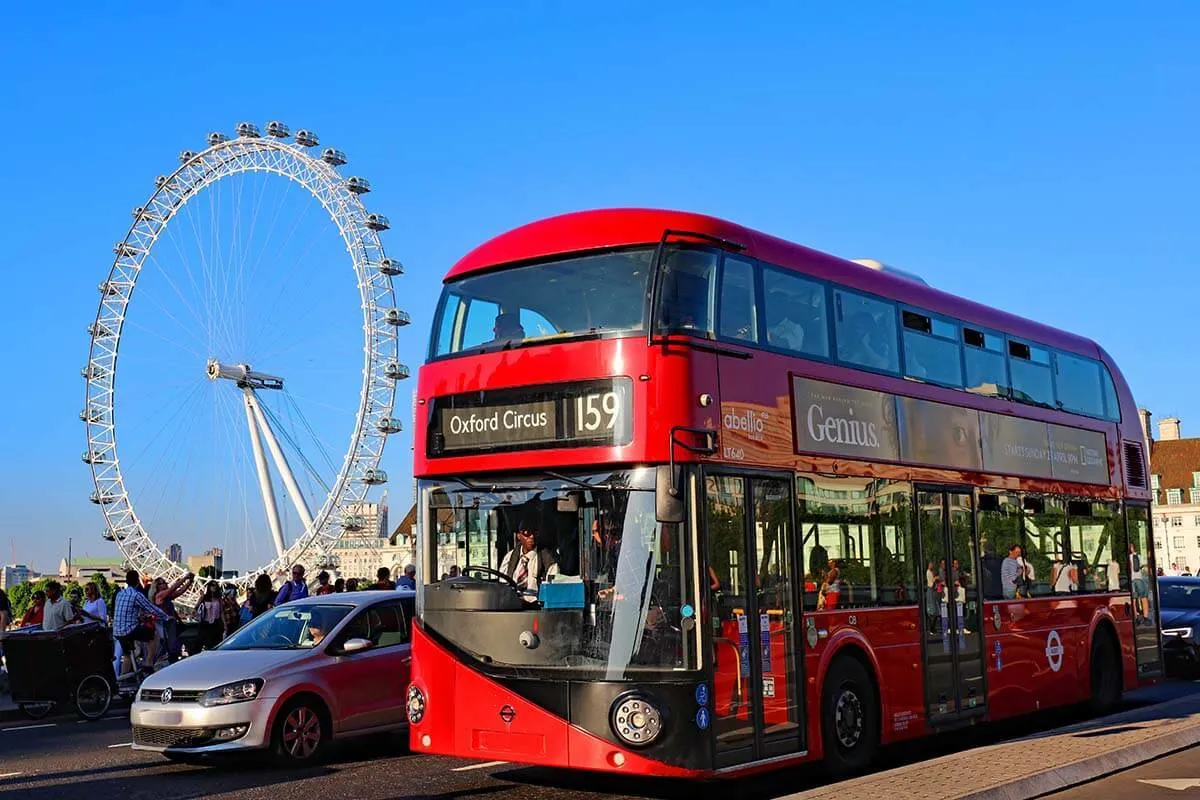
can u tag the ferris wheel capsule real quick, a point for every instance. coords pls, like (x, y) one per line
(391, 267)
(378, 222)
(390, 425)
(278, 130)
(358, 185)
(127, 249)
(394, 316)
(108, 535)
(216, 137)
(354, 522)
(374, 477)
(91, 414)
(247, 130)
(109, 288)
(102, 499)
(307, 138)
(395, 370)
(333, 157)
(186, 155)
(94, 372)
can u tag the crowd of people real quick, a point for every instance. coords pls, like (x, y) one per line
(145, 620)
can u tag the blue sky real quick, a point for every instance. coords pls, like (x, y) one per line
(1040, 159)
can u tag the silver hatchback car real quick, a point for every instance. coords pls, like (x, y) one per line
(290, 680)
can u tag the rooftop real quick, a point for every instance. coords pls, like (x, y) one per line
(1174, 460)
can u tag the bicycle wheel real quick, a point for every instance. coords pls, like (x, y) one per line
(36, 710)
(93, 696)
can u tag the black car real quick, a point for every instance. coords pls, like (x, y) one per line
(1179, 604)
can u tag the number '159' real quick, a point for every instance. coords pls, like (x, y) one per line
(596, 411)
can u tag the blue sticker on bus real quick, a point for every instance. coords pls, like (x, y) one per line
(702, 694)
(702, 719)
(687, 611)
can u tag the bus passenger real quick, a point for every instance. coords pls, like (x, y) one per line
(507, 330)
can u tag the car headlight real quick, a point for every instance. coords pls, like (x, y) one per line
(236, 692)
(1182, 633)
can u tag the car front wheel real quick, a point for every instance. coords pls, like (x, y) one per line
(301, 733)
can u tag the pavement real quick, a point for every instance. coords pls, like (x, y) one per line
(1166, 721)
(63, 756)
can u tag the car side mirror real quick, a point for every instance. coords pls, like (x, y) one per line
(356, 645)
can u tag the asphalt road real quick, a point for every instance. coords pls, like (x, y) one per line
(1173, 776)
(66, 758)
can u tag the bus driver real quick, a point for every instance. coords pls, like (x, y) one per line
(526, 564)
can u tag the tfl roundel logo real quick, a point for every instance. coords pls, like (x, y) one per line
(508, 714)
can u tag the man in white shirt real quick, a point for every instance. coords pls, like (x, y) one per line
(526, 564)
(59, 613)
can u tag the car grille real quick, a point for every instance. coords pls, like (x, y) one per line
(177, 695)
(170, 737)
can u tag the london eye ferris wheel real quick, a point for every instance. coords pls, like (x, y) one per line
(253, 406)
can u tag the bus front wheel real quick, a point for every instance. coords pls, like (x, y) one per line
(849, 717)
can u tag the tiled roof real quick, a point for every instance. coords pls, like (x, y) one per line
(1174, 461)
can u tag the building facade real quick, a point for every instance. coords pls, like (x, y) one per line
(175, 553)
(1175, 484)
(14, 575)
(214, 558)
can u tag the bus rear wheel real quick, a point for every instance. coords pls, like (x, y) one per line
(849, 718)
(1106, 672)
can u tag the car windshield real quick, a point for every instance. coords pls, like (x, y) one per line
(1179, 595)
(567, 297)
(288, 627)
(632, 609)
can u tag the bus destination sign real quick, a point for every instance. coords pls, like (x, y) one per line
(564, 415)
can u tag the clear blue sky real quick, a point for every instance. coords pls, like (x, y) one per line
(1039, 158)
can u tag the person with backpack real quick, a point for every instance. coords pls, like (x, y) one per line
(295, 589)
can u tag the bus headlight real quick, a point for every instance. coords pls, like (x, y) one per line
(635, 720)
(416, 704)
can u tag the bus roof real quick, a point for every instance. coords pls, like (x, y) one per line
(617, 227)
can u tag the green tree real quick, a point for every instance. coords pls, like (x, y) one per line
(19, 597)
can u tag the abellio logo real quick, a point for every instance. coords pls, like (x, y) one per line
(841, 430)
(746, 421)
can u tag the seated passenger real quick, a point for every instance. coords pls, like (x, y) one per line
(527, 565)
(507, 330)
(784, 331)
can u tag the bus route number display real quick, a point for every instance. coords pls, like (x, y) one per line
(574, 415)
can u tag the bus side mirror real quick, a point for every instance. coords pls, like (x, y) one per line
(668, 494)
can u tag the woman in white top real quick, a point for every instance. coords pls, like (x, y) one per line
(93, 604)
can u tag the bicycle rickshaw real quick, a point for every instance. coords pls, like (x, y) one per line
(72, 666)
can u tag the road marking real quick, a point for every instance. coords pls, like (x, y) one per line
(9, 774)
(31, 727)
(1175, 784)
(484, 765)
(120, 744)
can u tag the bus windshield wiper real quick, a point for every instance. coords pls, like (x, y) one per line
(608, 487)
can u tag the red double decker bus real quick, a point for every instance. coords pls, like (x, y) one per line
(696, 500)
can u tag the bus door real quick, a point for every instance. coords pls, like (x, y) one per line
(751, 574)
(951, 605)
